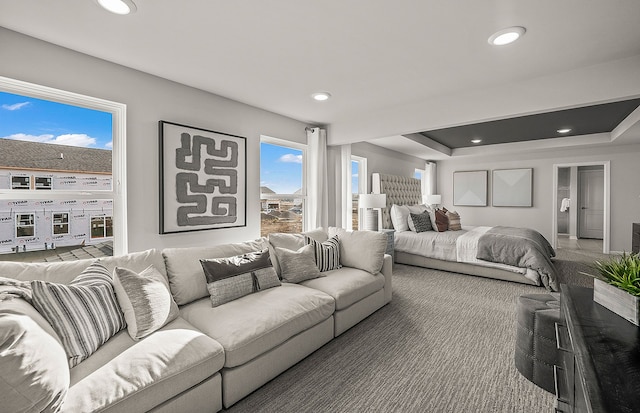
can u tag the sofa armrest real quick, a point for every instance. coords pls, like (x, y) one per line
(387, 272)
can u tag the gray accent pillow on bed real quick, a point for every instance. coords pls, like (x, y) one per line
(420, 222)
(231, 278)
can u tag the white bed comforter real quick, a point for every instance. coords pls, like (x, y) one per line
(457, 246)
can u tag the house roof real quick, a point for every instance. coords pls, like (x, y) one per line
(16, 154)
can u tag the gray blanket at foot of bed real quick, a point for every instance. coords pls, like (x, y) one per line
(520, 247)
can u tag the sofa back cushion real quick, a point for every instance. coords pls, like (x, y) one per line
(361, 249)
(34, 375)
(293, 242)
(65, 272)
(186, 276)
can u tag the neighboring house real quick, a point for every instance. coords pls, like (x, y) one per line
(28, 224)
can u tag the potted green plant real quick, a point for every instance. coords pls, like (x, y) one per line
(618, 287)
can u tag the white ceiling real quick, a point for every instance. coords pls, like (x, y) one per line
(393, 67)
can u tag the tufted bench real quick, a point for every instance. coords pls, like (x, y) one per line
(536, 349)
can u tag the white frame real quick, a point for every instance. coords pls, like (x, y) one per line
(33, 219)
(303, 190)
(363, 184)
(606, 232)
(466, 181)
(503, 195)
(68, 223)
(119, 169)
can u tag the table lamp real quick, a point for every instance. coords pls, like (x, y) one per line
(434, 200)
(370, 203)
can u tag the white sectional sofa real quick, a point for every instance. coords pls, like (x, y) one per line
(206, 358)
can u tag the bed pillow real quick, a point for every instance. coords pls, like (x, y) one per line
(327, 253)
(234, 277)
(454, 221)
(298, 266)
(420, 222)
(400, 215)
(145, 300)
(85, 313)
(442, 222)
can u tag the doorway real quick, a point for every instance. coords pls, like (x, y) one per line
(581, 216)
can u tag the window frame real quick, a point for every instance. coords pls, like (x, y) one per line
(118, 190)
(303, 189)
(363, 185)
(32, 224)
(60, 224)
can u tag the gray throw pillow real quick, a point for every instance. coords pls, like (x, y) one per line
(231, 278)
(420, 222)
(145, 300)
(298, 266)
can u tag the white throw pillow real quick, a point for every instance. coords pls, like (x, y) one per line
(400, 215)
(145, 300)
(362, 249)
(34, 372)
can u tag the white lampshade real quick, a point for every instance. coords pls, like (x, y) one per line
(432, 199)
(372, 200)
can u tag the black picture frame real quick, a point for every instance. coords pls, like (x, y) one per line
(203, 179)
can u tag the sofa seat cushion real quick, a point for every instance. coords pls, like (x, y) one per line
(134, 376)
(254, 324)
(347, 285)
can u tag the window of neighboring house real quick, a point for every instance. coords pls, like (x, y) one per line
(101, 227)
(283, 192)
(82, 173)
(60, 223)
(358, 186)
(43, 182)
(25, 225)
(20, 182)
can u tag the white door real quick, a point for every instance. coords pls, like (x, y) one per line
(591, 203)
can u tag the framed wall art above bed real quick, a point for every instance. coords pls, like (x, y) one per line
(470, 188)
(203, 179)
(512, 187)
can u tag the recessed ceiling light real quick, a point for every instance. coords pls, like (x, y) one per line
(476, 140)
(321, 96)
(564, 130)
(118, 6)
(506, 36)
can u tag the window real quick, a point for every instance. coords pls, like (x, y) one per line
(43, 182)
(101, 227)
(25, 225)
(74, 177)
(358, 186)
(282, 186)
(20, 182)
(60, 223)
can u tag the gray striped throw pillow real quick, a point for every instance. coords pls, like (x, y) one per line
(85, 313)
(327, 253)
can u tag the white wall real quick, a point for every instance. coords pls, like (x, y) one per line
(625, 188)
(386, 161)
(150, 99)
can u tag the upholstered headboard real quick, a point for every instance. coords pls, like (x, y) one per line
(400, 190)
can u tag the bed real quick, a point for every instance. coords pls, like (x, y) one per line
(511, 254)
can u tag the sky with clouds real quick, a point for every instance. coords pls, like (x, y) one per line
(30, 119)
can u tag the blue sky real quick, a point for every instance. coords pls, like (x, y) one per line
(30, 119)
(280, 168)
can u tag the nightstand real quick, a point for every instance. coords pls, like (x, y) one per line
(390, 242)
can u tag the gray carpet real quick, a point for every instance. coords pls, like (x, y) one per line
(572, 265)
(445, 343)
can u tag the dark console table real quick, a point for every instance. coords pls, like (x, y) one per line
(635, 238)
(600, 357)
